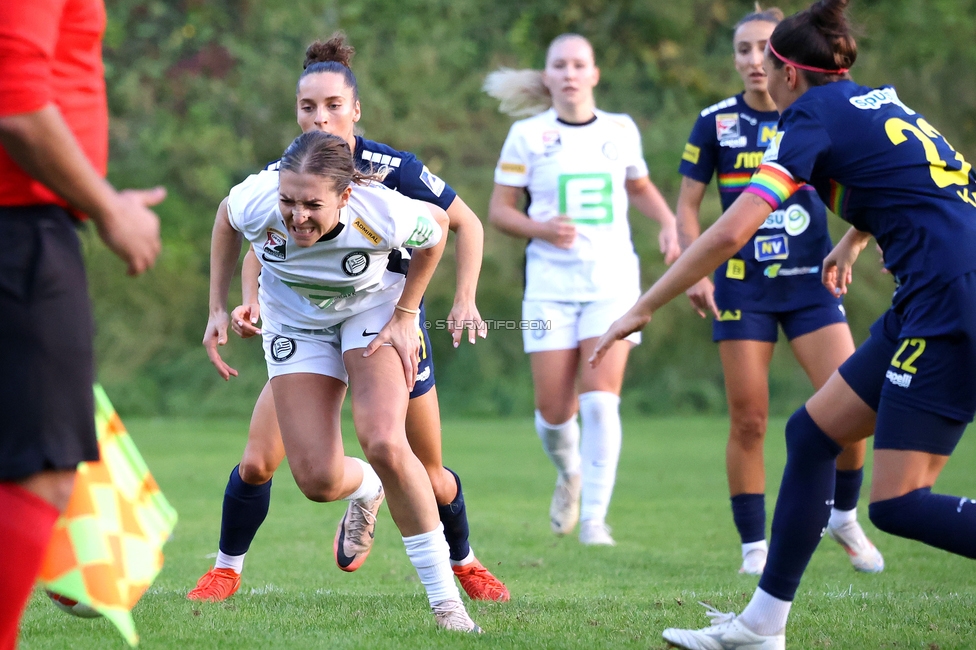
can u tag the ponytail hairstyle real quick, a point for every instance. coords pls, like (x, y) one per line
(522, 93)
(326, 155)
(772, 15)
(334, 55)
(818, 41)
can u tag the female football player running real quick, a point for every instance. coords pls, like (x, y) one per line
(580, 166)
(328, 100)
(883, 168)
(773, 281)
(330, 307)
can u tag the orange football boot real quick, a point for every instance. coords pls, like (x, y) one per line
(480, 584)
(216, 585)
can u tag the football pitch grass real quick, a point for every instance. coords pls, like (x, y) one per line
(676, 545)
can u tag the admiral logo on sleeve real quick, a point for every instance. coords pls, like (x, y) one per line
(366, 232)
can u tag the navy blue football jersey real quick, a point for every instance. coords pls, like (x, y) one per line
(779, 268)
(884, 169)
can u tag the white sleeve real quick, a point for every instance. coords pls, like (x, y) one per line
(634, 156)
(414, 226)
(248, 202)
(513, 164)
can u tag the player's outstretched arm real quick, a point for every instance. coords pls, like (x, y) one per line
(692, 193)
(469, 250)
(838, 266)
(225, 248)
(717, 244)
(645, 196)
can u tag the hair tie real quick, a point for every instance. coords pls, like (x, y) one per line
(809, 68)
(406, 310)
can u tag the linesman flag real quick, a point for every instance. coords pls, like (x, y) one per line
(107, 547)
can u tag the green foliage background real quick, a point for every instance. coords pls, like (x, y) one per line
(201, 94)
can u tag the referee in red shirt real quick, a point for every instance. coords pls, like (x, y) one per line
(53, 155)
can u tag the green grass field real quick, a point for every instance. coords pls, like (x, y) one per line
(676, 545)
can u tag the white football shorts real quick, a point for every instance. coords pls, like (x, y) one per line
(562, 325)
(290, 350)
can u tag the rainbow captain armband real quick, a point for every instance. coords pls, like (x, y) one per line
(773, 184)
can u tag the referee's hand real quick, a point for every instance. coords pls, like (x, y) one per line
(131, 230)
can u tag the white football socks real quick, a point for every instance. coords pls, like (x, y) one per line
(224, 561)
(370, 486)
(430, 556)
(561, 444)
(600, 450)
(752, 546)
(765, 614)
(840, 517)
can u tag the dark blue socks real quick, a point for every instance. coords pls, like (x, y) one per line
(455, 520)
(847, 488)
(803, 507)
(245, 507)
(749, 515)
(938, 520)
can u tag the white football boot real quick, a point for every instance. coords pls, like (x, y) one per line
(595, 533)
(864, 556)
(451, 615)
(564, 511)
(754, 562)
(725, 633)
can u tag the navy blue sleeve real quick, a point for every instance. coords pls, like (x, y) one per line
(801, 141)
(418, 182)
(698, 159)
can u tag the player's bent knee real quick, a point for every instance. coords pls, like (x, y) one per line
(256, 471)
(319, 487)
(899, 516)
(384, 453)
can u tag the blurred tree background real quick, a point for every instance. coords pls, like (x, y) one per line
(202, 94)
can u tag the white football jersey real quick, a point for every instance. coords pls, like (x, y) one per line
(578, 171)
(342, 274)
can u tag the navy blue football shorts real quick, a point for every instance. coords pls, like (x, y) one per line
(425, 371)
(922, 387)
(740, 325)
(47, 407)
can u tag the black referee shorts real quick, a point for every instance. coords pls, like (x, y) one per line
(47, 411)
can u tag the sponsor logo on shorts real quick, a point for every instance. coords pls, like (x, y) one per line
(901, 379)
(727, 126)
(773, 247)
(367, 232)
(433, 183)
(730, 314)
(355, 263)
(282, 348)
(275, 246)
(422, 376)
(610, 150)
(512, 168)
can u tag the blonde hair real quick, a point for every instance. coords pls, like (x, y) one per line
(521, 93)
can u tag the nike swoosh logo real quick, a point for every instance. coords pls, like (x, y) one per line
(366, 333)
(342, 559)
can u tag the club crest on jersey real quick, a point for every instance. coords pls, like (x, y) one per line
(773, 247)
(551, 142)
(355, 263)
(275, 246)
(610, 150)
(767, 131)
(727, 126)
(282, 348)
(433, 183)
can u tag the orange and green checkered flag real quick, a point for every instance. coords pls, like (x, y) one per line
(107, 546)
